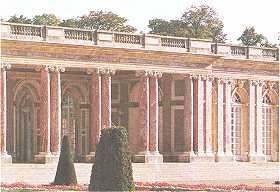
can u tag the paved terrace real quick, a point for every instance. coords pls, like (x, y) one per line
(196, 172)
(64, 35)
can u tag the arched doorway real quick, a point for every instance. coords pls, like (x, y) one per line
(75, 122)
(26, 123)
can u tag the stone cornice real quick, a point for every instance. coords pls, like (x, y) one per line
(204, 73)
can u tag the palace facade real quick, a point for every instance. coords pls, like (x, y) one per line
(181, 99)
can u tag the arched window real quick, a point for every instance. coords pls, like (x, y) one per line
(236, 122)
(266, 125)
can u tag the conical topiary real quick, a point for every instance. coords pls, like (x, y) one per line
(112, 168)
(65, 173)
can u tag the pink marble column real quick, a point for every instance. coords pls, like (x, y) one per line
(208, 117)
(144, 115)
(106, 98)
(3, 108)
(259, 98)
(198, 115)
(188, 114)
(252, 121)
(95, 129)
(55, 131)
(227, 117)
(45, 112)
(154, 111)
(220, 117)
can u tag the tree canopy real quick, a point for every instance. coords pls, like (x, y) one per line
(46, 19)
(19, 19)
(196, 22)
(94, 20)
(250, 37)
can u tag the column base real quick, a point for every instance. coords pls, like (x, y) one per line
(202, 157)
(148, 157)
(183, 157)
(275, 156)
(257, 157)
(46, 158)
(90, 157)
(6, 159)
(223, 157)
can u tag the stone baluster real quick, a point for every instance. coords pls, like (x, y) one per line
(5, 158)
(95, 127)
(106, 81)
(55, 133)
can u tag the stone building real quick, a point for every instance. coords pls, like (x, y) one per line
(181, 99)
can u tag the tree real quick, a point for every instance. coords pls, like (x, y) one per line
(46, 19)
(65, 173)
(70, 23)
(112, 169)
(196, 22)
(20, 19)
(100, 20)
(250, 37)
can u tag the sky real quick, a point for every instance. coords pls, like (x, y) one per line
(264, 15)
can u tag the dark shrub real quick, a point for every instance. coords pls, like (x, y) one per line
(65, 173)
(112, 168)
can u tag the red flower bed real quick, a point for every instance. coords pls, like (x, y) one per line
(210, 186)
(144, 186)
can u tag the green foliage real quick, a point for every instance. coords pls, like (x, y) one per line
(112, 169)
(196, 22)
(94, 20)
(103, 21)
(46, 19)
(70, 23)
(250, 37)
(65, 173)
(20, 19)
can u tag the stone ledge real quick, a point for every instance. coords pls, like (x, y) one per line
(46, 158)
(6, 159)
(148, 157)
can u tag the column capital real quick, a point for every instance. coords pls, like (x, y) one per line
(269, 85)
(199, 76)
(261, 83)
(150, 73)
(5, 66)
(106, 71)
(95, 71)
(253, 82)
